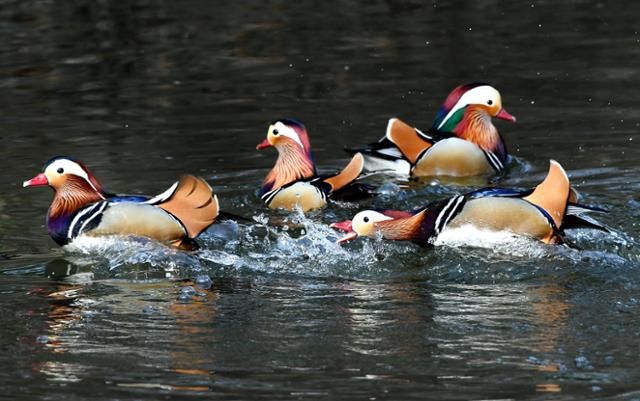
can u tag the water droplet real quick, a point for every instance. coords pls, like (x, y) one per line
(186, 293)
(388, 188)
(148, 309)
(622, 307)
(583, 363)
(204, 282)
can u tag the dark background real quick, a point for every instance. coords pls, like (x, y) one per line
(143, 91)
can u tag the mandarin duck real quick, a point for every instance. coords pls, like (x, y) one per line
(293, 181)
(542, 213)
(82, 207)
(461, 142)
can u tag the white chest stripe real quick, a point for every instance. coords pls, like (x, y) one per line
(79, 216)
(494, 161)
(268, 197)
(97, 213)
(449, 210)
(442, 213)
(453, 212)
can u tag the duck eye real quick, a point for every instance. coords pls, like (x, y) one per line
(489, 102)
(366, 219)
(275, 132)
(60, 170)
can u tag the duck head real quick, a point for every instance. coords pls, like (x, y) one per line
(477, 96)
(285, 133)
(363, 224)
(72, 182)
(467, 113)
(295, 159)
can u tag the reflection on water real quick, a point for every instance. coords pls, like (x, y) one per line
(144, 92)
(168, 332)
(430, 336)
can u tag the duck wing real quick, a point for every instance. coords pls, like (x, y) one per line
(191, 201)
(401, 142)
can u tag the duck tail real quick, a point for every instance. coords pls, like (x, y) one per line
(576, 217)
(552, 194)
(192, 202)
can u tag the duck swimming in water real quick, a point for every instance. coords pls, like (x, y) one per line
(293, 181)
(542, 213)
(82, 207)
(461, 142)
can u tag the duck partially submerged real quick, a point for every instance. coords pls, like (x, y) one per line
(294, 182)
(81, 206)
(542, 213)
(461, 142)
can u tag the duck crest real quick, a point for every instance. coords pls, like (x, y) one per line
(451, 100)
(301, 130)
(293, 164)
(476, 126)
(74, 194)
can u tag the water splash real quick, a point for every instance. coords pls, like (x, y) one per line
(117, 252)
(504, 242)
(299, 244)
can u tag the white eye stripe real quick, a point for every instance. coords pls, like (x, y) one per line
(478, 95)
(289, 133)
(69, 167)
(372, 216)
(360, 223)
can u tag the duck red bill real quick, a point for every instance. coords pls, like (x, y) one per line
(343, 225)
(349, 237)
(263, 144)
(39, 179)
(504, 115)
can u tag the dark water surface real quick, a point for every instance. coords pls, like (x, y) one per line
(144, 91)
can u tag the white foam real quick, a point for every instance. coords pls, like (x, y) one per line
(499, 241)
(120, 251)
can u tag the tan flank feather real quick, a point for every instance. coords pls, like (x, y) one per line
(553, 193)
(193, 203)
(348, 174)
(406, 139)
